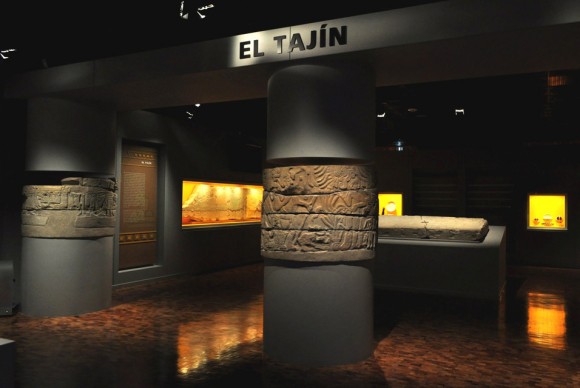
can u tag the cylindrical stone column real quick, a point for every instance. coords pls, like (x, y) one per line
(319, 214)
(68, 225)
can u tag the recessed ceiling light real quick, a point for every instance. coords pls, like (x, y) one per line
(4, 53)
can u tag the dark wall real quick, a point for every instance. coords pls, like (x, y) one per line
(13, 114)
(493, 183)
(517, 135)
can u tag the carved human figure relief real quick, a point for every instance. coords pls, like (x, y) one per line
(319, 213)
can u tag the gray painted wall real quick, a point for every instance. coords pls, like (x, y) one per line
(189, 153)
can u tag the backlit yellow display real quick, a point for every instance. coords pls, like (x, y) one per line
(547, 211)
(390, 204)
(209, 203)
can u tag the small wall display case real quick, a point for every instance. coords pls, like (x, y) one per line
(547, 212)
(391, 204)
(220, 204)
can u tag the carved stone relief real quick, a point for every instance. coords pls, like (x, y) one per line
(80, 207)
(319, 213)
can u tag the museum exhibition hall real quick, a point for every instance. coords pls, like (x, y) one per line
(362, 195)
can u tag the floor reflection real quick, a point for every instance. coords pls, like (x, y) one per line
(547, 320)
(206, 331)
(228, 330)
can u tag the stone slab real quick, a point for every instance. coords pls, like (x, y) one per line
(433, 228)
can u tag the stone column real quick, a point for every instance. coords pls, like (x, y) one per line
(319, 214)
(68, 225)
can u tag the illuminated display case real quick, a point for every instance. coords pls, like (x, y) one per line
(547, 212)
(391, 204)
(220, 204)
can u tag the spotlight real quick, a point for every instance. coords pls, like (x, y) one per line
(3, 52)
(399, 145)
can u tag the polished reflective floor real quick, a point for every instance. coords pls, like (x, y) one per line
(206, 331)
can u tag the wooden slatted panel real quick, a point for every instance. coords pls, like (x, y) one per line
(489, 194)
(435, 193)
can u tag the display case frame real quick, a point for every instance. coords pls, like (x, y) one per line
(547, 211)
(217, 204)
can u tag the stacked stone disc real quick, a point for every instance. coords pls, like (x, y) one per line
(319, 213)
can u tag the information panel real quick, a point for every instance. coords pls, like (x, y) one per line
(138, 191)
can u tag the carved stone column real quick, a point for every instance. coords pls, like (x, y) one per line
(67, 234)
(80, 207)
(319, 214)
(68, 229)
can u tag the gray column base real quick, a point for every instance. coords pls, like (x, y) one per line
(318, 315)
(63, 277)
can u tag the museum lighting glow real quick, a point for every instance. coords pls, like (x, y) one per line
(547, 211)
(557, 80)
(217, 203)
(547, 320)
(195, 351)
(391, 204)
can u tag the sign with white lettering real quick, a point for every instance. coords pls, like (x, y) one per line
(314, 40)
(296, 42)
(293, 42)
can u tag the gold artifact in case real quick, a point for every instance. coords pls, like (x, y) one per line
(220, 204)
(391, 204)
(547, 212)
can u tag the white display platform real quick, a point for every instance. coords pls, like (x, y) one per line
(463, 269)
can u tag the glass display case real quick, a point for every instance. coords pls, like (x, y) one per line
(391, 204)
(220, 204)
(547, 212)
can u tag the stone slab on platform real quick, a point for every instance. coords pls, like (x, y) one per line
(433, 228)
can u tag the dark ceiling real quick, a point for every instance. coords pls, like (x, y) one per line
(505, 111)
(496, 110)
(52, 33)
